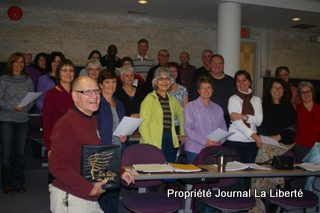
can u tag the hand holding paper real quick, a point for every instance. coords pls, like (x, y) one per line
(219, 135)
(127, 126)
(30, 97)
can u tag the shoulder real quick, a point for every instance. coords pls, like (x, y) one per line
(256, 99)
(228, 78)
(216, 107)
(234, 98)
(5, 78)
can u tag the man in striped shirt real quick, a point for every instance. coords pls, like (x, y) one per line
(142, 63)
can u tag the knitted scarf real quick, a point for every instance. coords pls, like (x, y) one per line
(247, 108)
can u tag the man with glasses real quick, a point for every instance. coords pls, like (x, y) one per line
(70, 192)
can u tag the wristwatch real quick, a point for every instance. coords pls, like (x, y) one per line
(245, 118)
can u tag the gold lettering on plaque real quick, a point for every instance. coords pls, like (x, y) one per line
(98, 162)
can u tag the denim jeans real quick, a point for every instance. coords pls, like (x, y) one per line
(167, 147)
(13, 138)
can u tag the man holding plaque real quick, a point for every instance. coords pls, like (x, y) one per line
(70, 192)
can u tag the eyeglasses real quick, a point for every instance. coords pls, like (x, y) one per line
(306, 92)
(206, 88)
(163, 79)
(89, 91)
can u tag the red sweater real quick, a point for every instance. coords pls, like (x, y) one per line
(56, 103)
(71, 131)
(308, 125)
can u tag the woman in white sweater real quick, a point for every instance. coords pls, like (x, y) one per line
(246, 114)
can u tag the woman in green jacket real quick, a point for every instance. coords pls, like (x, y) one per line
(158, 110)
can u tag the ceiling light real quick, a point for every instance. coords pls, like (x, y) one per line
(142, 1)
(296, 19)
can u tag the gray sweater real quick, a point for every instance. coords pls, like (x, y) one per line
(12, 90)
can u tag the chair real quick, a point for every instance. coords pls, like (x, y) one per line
(225, 204)
(308, 200)
(148, 202)
(35, 136)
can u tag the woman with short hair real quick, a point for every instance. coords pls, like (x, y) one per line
(158, 111)
(129, 95)
(202, 117)
(308, 120)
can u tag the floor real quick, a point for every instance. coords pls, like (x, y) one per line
(36, 197)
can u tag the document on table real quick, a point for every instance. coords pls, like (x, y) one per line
(155, 167)
(271, 141)
(30, 97)
(237, 166)
(219, 135)
(127, 126)
(313, 167)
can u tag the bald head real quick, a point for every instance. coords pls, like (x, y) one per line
(86, 95)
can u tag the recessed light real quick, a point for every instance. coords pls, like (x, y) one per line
(296, 19)
(142, 1)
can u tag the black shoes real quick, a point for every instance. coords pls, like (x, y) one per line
(20, 189)
(8, 190)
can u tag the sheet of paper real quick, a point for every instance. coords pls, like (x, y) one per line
(219, 135)
(135, 82)
(30, 97)
(271, 141)
(313, 167)
(184, 167)
(237, 166)
(155, 167)
(127, 126)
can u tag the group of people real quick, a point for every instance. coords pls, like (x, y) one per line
(179, 104)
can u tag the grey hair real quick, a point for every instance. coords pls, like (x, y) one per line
(122, 70)
(158, 72)
(93, 62)
(304, 84)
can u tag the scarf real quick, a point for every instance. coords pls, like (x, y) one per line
(247, 108)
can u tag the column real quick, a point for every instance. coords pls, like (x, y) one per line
(228, 35)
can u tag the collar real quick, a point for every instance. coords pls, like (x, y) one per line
(76, 109)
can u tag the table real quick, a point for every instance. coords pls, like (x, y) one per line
(211, 172)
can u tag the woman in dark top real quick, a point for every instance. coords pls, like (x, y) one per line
(279, 116)
(129, 95)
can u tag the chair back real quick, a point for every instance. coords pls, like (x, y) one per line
(208, 156)
(142, 154)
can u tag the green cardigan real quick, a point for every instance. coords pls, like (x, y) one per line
(151, 128)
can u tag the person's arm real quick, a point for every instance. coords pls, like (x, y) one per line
(4, 105)
(190, 125)
(234, 106)
(256, 119)
(47, 119)
(287, 135)
(179, 114)
(64, 144)
(146, 114)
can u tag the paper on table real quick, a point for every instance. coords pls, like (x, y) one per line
(127, 126)
(313, 167)
(31, 96)
(219, 135)
(155, 167)
(237, 166)
(271, 141)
